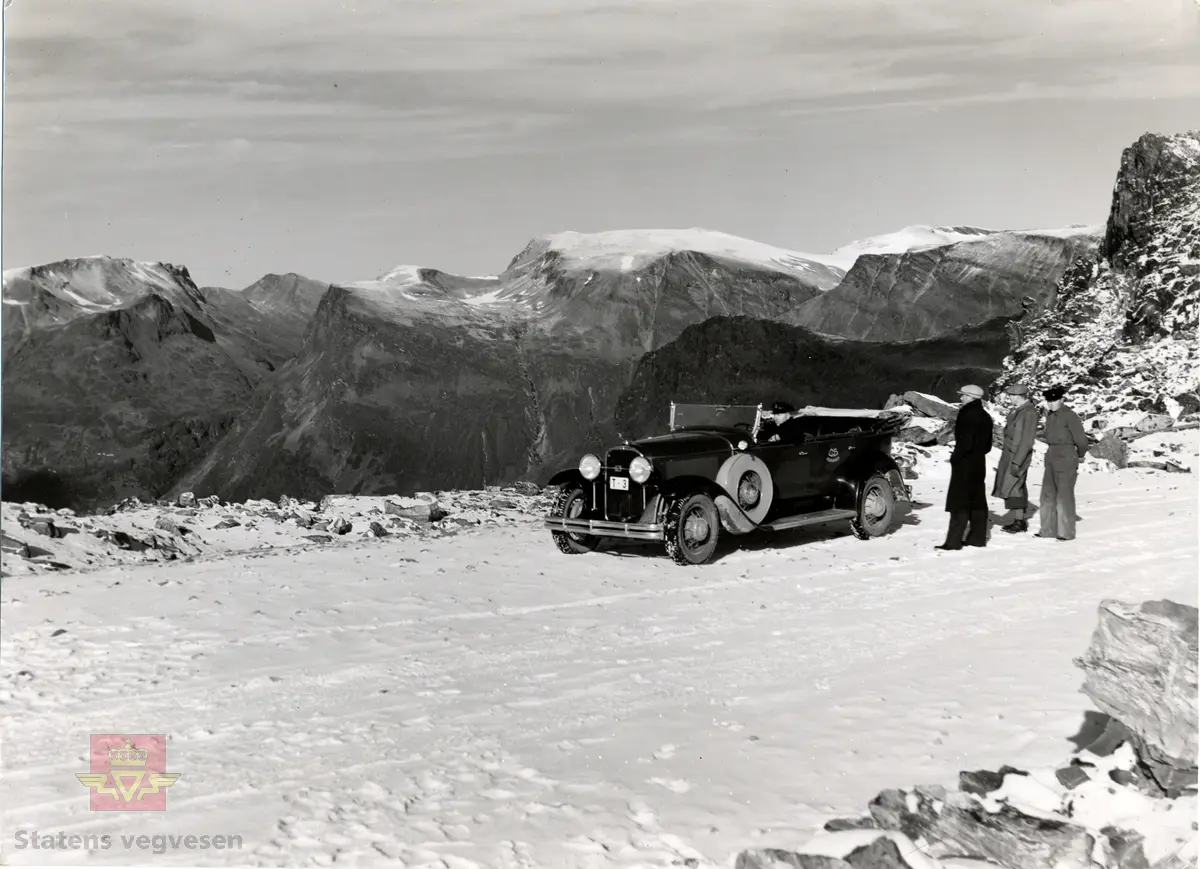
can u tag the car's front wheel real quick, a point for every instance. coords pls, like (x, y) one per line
(570, 504)
(876, 508)
(693, 527)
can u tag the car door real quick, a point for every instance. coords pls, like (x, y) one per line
(837, 444)
(792, 459)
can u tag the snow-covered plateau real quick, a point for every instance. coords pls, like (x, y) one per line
(477, 699)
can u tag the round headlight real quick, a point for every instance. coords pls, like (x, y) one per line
(639, 470)
(589, 467)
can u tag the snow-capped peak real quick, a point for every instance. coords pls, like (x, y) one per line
(920, 237)
(97, 282)
(628, 249)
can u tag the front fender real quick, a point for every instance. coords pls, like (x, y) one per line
(571, 475)
(853, 474)
(733, 518)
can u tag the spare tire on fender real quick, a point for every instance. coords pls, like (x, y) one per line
(744, 475)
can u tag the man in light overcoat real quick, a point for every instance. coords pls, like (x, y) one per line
(1066, 447)
(1015, 455)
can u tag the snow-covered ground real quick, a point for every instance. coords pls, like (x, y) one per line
(483, 700)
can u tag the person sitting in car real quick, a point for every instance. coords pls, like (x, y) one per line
(778, 424)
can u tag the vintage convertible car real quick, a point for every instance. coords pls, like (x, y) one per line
(734, 468)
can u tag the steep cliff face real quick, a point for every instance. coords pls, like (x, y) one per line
(1120, 331)
(420, 379)
(747, 361)
(936, 289)
(118, 375)
(384, 395)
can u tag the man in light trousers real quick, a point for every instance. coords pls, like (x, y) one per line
(1066, 444)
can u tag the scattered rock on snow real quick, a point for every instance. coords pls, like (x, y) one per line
(1104, 809)
(1112, 448)
(958, 824)
(418, 508)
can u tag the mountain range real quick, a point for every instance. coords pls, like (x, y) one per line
(125, 378)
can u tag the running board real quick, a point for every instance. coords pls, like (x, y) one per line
(809, 519)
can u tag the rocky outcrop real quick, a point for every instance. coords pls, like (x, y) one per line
(746, 361)
(1103, 808)
(1120, 331)
(923, 294)
(119, 375)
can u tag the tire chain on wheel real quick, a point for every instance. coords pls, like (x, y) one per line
(674, 550)
(562, 539)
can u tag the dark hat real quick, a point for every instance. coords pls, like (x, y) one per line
(1017, 389)
(781, 407)
(1054, 393)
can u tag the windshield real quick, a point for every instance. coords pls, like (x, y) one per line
(740, 416)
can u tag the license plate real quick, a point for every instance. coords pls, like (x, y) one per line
(618, 483)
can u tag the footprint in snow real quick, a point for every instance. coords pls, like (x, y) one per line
(666, 752)
(678, 786)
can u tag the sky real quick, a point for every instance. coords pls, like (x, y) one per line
(341, 138)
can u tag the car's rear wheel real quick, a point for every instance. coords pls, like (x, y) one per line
(876, 508)
(570, 504)
(693, 528)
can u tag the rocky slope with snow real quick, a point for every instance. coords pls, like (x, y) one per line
(1120, 330)
(119, 374)
(922, 285)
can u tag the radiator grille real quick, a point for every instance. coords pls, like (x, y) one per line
(622, 506)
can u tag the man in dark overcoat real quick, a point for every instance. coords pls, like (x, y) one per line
(1016, 453)
(966, 499)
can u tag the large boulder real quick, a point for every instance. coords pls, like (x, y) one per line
(1111, 448)
(1141, 669)
(931, 405)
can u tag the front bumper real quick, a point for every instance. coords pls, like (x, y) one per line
(605, 528)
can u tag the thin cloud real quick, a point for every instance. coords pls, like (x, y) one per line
(422, 79)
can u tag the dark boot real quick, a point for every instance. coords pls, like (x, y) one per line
(1017, 526)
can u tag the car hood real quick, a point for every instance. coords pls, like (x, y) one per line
(691, 442)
